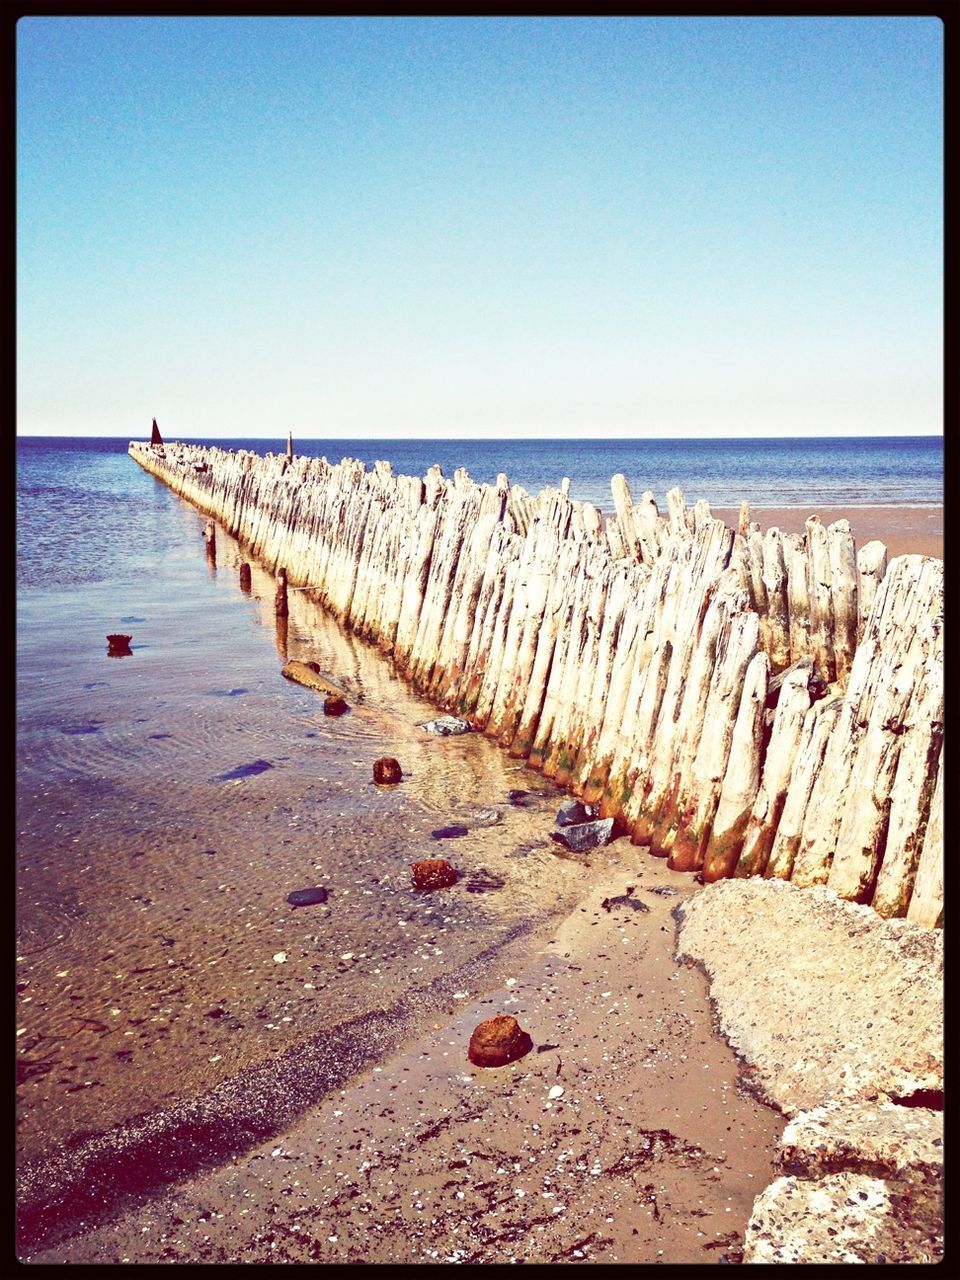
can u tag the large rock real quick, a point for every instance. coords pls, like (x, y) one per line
(304, 673)
(823, 997)
(585, 835)
(845, 1217)
(497, 1041)
(903, 1144)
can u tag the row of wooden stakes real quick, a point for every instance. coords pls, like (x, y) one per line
(743, 704)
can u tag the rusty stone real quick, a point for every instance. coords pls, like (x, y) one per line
(497, 1041)
(433, 873)
(119, 646)
(386, 770)
(333, 706)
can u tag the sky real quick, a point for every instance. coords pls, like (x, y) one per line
(504, 227)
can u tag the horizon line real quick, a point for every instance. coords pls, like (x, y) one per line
(906, 435)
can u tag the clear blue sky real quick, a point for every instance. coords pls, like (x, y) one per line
(506, 227)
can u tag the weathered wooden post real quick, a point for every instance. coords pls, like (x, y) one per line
(871, 569)
(793, 703)
(210, 541)
(280, 599)
(842, 558)
(926, 901)
(290, 446)
(245, 578)
(741, 777)
(818, 724)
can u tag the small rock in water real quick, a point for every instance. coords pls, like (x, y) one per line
(446, 726)
(334, 706)
(307, 897)
(573, 812)
(244, 771)
(497, 1041)
(585, 835)
(433, 873)
(119, 646)
(386, 770)
(449, 833)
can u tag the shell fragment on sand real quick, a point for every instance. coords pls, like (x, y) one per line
(446, 726)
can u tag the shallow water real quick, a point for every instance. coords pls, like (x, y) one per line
(156, 849)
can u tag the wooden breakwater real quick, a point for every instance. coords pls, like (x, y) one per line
(743, 703)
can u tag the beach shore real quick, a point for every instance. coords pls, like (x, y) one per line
(625, 1135)
(902, 530)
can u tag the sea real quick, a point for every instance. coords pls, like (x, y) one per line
(169, 800)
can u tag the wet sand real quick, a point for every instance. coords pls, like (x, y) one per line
(903, 530)
(652, 1150)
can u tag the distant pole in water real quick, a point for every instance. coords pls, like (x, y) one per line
(245, 580)
(290, 445)
(280, 599)
(155, 437)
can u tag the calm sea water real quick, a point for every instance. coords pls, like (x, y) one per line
(905, 470)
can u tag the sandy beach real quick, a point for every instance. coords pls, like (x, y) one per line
(903, 530)
(625, 1135)
(247, 1116)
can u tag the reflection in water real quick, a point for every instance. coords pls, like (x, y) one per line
(281, 628)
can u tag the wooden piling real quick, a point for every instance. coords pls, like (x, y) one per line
(741, 778)
(926, 900)
(791, 710)
(280, 606)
